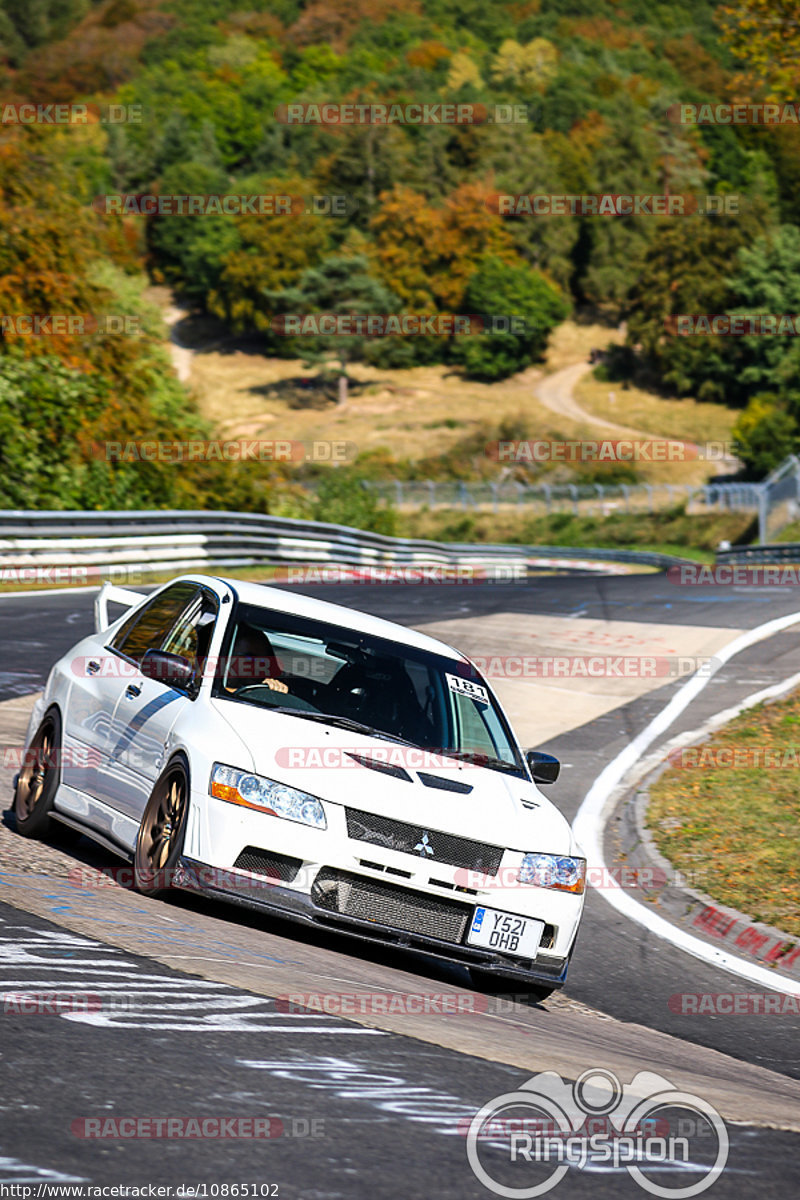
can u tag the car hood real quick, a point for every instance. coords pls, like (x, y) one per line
(315, 758)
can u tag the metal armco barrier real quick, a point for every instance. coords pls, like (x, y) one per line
(179, 539)
(787, 552)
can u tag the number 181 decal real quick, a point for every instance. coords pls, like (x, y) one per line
(467, 688)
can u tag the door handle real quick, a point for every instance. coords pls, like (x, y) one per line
(133, 689)
(92, 667)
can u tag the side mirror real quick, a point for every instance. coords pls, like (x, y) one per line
(544, 767)
(172, 669)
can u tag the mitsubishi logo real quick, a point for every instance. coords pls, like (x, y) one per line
(424, 847)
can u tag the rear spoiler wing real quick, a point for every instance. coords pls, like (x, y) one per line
(117, 595)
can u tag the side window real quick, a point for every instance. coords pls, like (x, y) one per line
(472, 722)
(191, 636)
(148, 628)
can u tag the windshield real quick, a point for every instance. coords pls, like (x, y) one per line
(281, 661)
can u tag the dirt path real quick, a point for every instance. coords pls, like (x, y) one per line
(181, 355)
(557, 392)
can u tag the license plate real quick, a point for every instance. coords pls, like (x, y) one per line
(505, 932)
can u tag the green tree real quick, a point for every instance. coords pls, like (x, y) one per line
(269, 254)
(766, 279)
(343, 286)
(521, 308)
(343, 498)
(764, 434)
(191, 250)
(686, 270)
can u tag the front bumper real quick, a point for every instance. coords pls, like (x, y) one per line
(241, 888)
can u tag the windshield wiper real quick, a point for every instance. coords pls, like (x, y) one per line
(483, 760)
(343, 723)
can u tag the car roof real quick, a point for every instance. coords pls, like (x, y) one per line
(335, 614)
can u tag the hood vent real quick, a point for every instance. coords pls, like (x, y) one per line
(446, 785)
(375, 764)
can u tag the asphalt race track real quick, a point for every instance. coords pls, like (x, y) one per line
(192, 1019)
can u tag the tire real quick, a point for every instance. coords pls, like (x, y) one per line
(488, 981)
(160, 839)
(39, 778)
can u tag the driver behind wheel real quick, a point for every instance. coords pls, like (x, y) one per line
(253, 661)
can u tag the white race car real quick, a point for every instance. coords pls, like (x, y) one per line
(313, 761)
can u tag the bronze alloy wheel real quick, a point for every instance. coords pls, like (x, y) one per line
(160, 840)
(38, 780)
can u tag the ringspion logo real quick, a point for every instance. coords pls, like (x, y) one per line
(672, 1143)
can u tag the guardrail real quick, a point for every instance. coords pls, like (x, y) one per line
(115, 542)
(786, 552)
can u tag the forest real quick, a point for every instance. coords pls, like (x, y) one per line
(113, 110)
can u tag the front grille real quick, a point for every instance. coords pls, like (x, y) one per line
(278, 867)
(387, 904)
(424, 843)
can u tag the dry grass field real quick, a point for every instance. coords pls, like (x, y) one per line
(424, 411)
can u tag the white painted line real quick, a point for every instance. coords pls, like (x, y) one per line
(589, 823)
(221, 1023)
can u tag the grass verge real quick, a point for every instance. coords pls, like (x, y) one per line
(734, 827)
(668, 532)
(422, 422)
(685, 419)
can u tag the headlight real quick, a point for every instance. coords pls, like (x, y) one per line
(554, 871)
(265, 795)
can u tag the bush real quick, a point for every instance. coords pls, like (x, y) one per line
(764, 435)
(343, 499)
(499, 291)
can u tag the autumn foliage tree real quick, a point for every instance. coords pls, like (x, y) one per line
(765, 37)
(426, 254)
